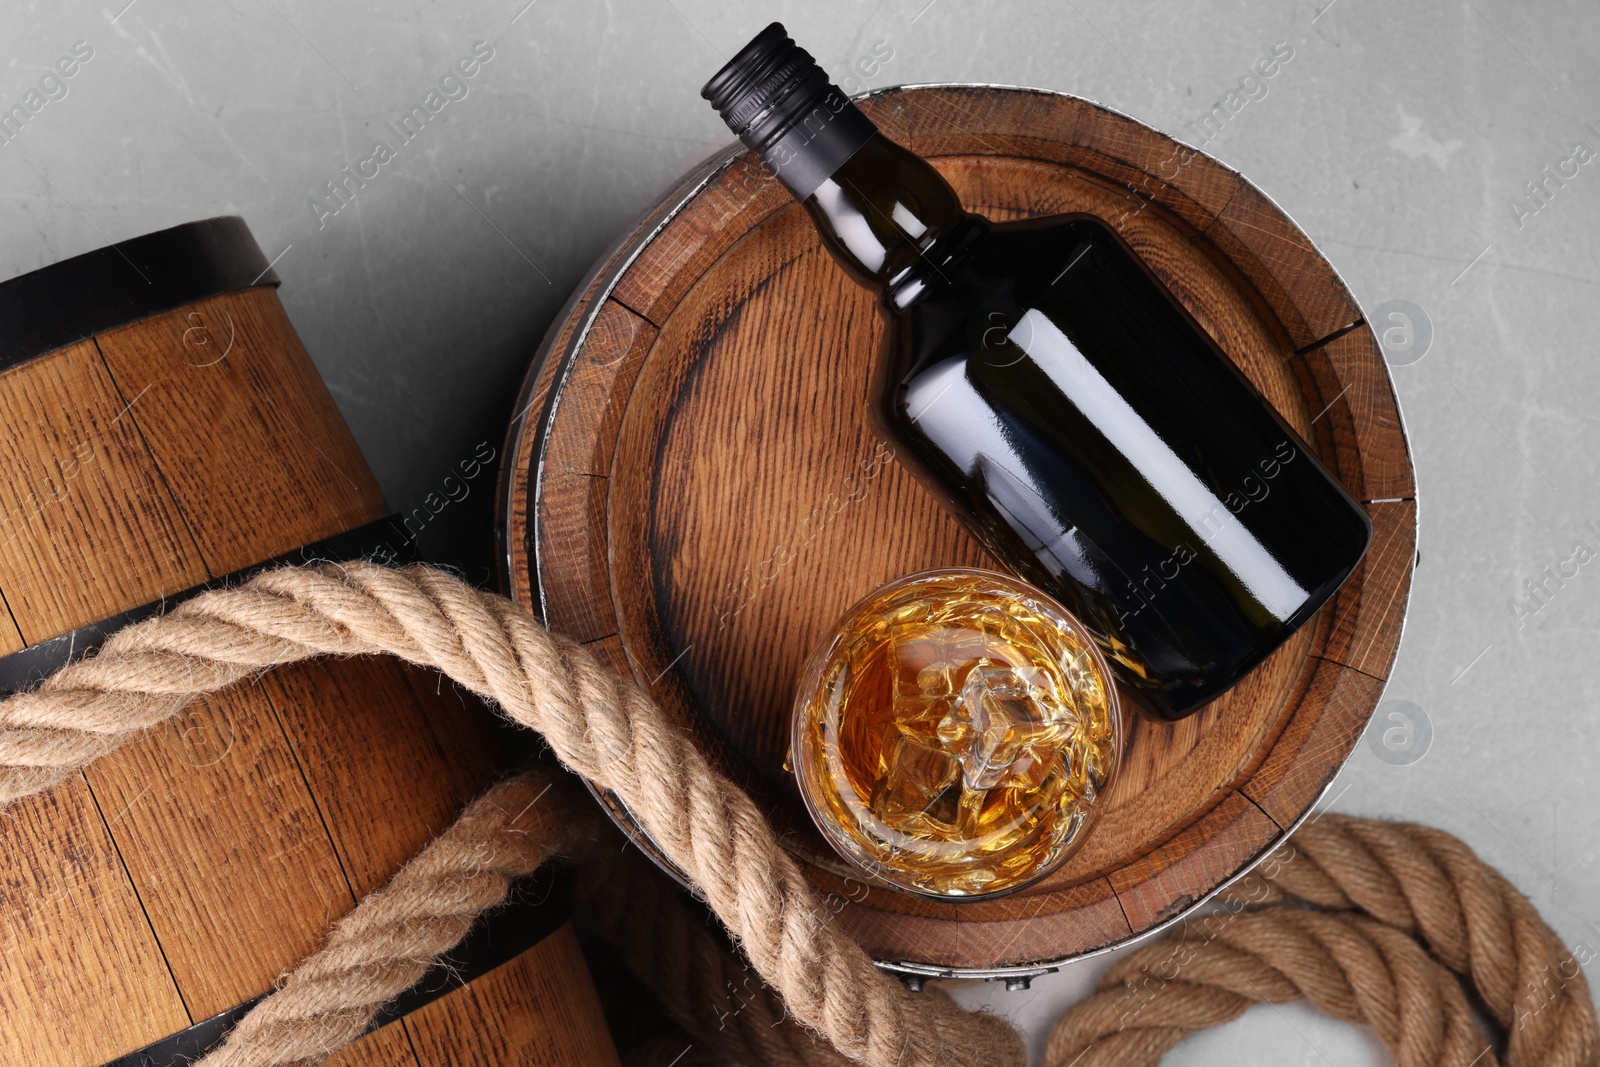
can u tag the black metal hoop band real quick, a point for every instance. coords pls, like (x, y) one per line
(537, 906)
(122, 283)
(384, 541)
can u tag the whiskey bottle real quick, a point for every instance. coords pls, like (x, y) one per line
(1046, 386)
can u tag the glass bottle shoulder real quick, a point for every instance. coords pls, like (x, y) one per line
(981, 289)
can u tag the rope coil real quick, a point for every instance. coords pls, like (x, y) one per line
(1371, 921)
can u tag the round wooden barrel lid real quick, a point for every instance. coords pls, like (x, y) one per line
(696, 494)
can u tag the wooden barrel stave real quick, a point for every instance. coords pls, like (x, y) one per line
(269, 406)
(186, 872)
(77, 549)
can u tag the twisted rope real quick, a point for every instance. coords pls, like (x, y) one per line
(1374, 922)
(1352, 968)
(385, 945)
(1429, 885)
(1393, 925)
(599, 725)
(707, 989)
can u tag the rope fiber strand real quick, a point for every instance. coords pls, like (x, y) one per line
(1394, 925)
(598, 725)
(1397, 926)
(383, 946)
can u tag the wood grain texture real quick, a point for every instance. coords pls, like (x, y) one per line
(597, 386)
(581, 595)
(532, 1012)
(67, 909)
(424, 730)
(363, 732)
(1163, 884)
(1359, 409)
(618, 341)
(1040, 926)
(189, 870)
(965, 120)
(1315, 743)
(224, 845)
(388, 1047)
(1366, 615)
(747, 504)
(233, 365)
(89, 529)
(1190, 184)
(734, 200)
(1304, 293)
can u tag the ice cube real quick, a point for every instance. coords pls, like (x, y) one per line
(935, 680)
(927, 668)
(918, 780)
(969, 812)
(922, 682)
(930, 662)
(1003, 715)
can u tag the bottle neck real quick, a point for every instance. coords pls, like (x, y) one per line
(887, 216)
(890, 219)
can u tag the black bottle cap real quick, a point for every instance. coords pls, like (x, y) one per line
(771, 80)
(782, 106)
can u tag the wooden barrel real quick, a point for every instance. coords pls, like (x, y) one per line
(695, 492)
(164, 428)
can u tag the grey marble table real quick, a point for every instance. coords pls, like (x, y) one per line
(1432, 151)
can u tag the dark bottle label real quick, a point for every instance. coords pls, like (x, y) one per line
(811, 150)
